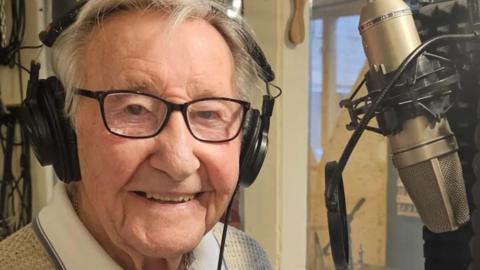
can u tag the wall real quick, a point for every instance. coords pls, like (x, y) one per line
(275, 206)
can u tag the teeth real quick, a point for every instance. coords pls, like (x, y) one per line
(164, 198)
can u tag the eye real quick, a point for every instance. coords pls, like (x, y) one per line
(207, 115)
(135, 109)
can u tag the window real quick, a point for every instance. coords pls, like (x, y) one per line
(350, 56)
(340, 51)
(316, 32)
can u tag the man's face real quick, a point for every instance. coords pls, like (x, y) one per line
(137, 50)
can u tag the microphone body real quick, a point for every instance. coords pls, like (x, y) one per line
(424, 150)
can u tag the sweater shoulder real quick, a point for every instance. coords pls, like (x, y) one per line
(23, 250)
(242, 251)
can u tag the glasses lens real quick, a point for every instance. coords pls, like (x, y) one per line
(133, 115)
(215, 119)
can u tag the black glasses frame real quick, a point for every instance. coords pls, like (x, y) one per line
(101, 95)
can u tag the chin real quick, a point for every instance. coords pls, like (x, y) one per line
(165, 242)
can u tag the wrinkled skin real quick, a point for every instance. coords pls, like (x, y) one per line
(137, 51)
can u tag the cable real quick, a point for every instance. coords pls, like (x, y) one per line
(20, 77)
(15, 191)
(18, 62)
(225, 227)
(359, 86)
(26, 176)
(17, 32)
(371, 111)
(15, 187)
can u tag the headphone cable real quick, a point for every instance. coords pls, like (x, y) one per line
(225, 227)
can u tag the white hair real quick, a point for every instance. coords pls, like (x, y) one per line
(68, 49)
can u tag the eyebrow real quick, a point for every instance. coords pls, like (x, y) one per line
(194, 93)
(139, 86)
(203, 92)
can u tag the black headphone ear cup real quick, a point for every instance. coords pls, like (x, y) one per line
(48, 128)
(72, 172)
(66, 161)
(254, 149)
(66, 164)
(35, 123)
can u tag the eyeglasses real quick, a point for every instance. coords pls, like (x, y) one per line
(133, 114)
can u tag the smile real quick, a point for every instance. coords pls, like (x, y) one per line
(165, 198)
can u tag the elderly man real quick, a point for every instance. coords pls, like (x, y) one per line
(155, 91)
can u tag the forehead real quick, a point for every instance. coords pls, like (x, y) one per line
(142, 49)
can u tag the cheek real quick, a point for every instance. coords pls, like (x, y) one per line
(107, 165)
(223, 168)
(104, 162)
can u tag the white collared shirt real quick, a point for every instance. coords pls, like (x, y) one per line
(71, 246)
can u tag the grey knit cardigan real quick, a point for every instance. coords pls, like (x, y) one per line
(23, 251)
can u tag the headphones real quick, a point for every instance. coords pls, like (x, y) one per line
(54, 141)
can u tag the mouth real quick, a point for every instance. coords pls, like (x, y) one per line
(166, 199)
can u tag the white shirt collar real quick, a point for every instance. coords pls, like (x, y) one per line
(71, 246)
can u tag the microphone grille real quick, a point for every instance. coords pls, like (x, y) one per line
(437, 189)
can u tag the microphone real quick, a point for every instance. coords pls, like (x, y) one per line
(423, 147)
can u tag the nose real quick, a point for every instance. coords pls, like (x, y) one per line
(175, 149)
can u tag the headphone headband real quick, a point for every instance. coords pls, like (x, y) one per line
(56, 28)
